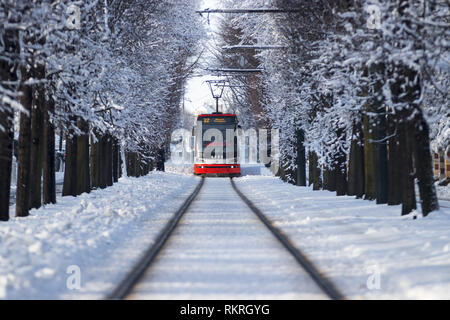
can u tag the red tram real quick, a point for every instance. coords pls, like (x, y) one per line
(216, 147)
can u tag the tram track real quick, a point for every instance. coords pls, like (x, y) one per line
(136, 273)
(319, 278)
(135, 276)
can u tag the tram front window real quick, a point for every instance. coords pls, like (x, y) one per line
(215, 140)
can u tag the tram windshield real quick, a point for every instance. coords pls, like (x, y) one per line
(219, 139)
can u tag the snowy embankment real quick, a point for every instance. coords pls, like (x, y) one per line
(59, 180)
(443, 192)
(368, 250)
(181, 168)
(100, 234)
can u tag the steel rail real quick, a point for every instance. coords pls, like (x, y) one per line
(132, 278)
(318, 277)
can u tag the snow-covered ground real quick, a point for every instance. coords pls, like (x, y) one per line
(180, 168)
(221, 250)
(368, 250)
(443, 192)
(100, 234)
(59, 179)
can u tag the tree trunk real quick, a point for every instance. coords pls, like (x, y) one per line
(423, 162)
(314, 170)
(341, 171)
(6, 152)
(116, 156)
(109, 160)
(381, 165)
(404, 136)
(310, 169)
(369, 160)
(137, 165)
(380, 149)
(161, 159)
(70, 174)
(329, 179)
(120, 162)
(356, 163)
(24, 166)
(377, 122)
(6, 135)
(408, 194)
(395, 163)
(61, 137)
(128, 163)
(58, 159)
(37, 123)
(83, 173)
(95, 161)
(102, 160)
(301, 161)
(408, 84)
(130, 159)
(49, 155)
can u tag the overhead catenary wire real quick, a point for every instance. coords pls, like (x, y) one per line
(230, 70)
(249, 10)
(254, 47)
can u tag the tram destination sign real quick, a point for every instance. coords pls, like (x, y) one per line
(218, 120)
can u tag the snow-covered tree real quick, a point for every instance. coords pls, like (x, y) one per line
(355, 78)
(104, 71)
